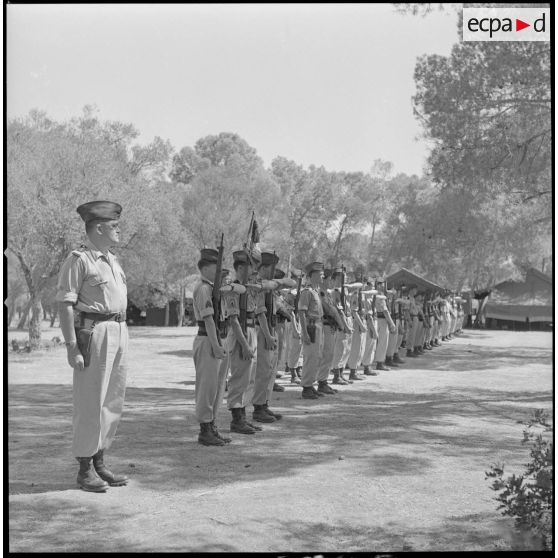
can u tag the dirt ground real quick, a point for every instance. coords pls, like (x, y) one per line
(393, 463)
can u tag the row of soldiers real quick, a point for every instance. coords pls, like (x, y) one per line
(248, 324)
(314, 322)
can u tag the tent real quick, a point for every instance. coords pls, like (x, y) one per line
(521, 301)
(410, 279)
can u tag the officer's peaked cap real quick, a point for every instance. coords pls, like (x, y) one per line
(99, 211)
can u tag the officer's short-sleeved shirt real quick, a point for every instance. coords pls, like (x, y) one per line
(203, 303)
(310, 303)
(92, 281)
(381, 305)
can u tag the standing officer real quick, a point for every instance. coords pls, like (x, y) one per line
(372, 333)
(311, 314)
(294, 352)
(92, 298)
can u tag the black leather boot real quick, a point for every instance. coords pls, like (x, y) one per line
(353, 375)
(324, 387)
(338, 378)
(260, 415)
(342, 377)
(309, 393)
(276, 416)
(238, 424)
(381, 366)
(206, 437)
(391, 362)
(410, 353)
(87, 478)
(255, 427)
(105, 473)
(216, 432)
(397, 359)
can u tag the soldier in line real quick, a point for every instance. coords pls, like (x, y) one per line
(267, 345)
(385, 327)
(357, 341)
(294, 340)
(92, 298)
(332, 324)
(311, 314)
(209, 353)
(242, 344)
(372, 332)
(343, 338)
(393, 335)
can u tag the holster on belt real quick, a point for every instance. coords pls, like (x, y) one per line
(311, 329)
(84, 335)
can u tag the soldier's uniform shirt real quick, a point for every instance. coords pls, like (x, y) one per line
(95, 283)
(210, 371)
(310, 302)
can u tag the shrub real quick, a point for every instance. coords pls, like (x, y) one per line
(528, 497)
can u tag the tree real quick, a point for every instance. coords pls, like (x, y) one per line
(54, 167)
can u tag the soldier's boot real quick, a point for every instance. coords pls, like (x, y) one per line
(309, 393)
(338, 378)
(105, 473)
(420, 350)
(427, 346)
(397, 359)
(294, 378)
(410, 353)
(353, 375)
(218, 434)
(437, 342)
(416, 352)
(87, 478)
(277, 387)
(206, 437)
(382, 366)
(238, 424)
(276, 416)
(323, 387)
(260, 415)
(347, 380)
(391, 362)
(256, 428)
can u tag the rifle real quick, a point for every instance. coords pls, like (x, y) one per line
(269, 301)
(215, 294)
(343, 289)
(243, 300)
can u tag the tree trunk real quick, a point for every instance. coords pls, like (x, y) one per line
(53, 316)
(23, 315)
(181, 307)
(167, 309)
(11, 312)
(35, 323)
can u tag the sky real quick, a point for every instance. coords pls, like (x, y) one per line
(322, 84)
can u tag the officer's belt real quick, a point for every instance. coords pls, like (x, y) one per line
(380, 315)
(114, 317)
(328, 321)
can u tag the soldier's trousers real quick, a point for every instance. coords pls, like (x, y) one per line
(342, 348)
(383, 338)
(99, 389)
(413, 333)
(356, 349)
(400, 325)
(326, 359)
(295, 349)
(274, 362)
(211, 374)
(311, 356)
(243, 372)
(369, 348)
(264, 370)
(392, 343)
(280, 330)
